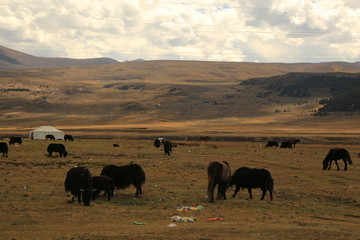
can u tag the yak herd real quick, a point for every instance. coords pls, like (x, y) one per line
(85, 187)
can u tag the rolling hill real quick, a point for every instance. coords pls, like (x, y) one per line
(177, 98)
(11, 59)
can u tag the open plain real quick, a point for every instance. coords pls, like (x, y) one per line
(309, 203)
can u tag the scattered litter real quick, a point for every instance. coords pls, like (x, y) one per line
(138, 223)
(183, 219)
(214, 219)
(188, 208)
(171, 225)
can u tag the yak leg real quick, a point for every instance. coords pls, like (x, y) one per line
(345, 162)
(223, 189)
(263, 193)
(211, 187)
(219, 191)
(249, 190)
(329, 167)
(237, 189)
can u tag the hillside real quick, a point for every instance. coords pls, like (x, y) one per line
(11, 59)
(343, 88)
(171, 97)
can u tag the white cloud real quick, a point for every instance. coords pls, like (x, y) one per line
(229, 30)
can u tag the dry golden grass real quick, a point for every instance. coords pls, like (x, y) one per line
(182, 95)
(309, 203)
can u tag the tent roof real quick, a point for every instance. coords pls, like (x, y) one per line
(47, 129)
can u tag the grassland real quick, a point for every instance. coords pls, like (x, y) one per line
(309, 203)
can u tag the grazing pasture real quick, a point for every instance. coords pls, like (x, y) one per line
(309, 203)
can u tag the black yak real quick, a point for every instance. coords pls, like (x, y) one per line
(272, 144)
(57, 147)
(14, 140)
(4, 149)
(49, 137)
(79, 182)
(249, 178)
(294, 142)
(126, 175)
(218, 174)
(287, 144)
(334, 155)
(168, 146)
(68, 137)
(158, 142)
(103, 183)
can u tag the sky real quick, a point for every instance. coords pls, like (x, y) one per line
(203, 30)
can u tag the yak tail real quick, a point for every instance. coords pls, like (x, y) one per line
(269, 182)
(349, 158)
(139, 174)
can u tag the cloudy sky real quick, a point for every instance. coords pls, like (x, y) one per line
(210, 30)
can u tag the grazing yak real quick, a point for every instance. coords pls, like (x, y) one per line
(219, 173)
(158, 142)
(103, 183)
(287, 144)
(334, 155)
(294, 142)
(126, 175)
(68, 137)
(272, 144)
(49, 137)
(79, 182)
(57, 147)
(168, 146)
(4, 149)
(249, 178)
(14, 140)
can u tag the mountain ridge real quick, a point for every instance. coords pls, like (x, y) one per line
(13, 60)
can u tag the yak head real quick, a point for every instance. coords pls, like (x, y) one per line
(325, 164)
(86, 196)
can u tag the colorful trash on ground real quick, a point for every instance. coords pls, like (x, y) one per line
(138, 223)
(214, 219)
(188, 208)
(183, 219)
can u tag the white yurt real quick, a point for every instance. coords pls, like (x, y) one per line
(42, 131)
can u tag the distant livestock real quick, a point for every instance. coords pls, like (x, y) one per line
(68, 137)
(49, 137)
(126, 175)
(59, 148)
(168, 147)
(14, 140)
(272, 144)
(334, 155)
(286, 145)
(158, 142)
(4, 149)
(79, 182)
(219, 173)
(249, 178)
(103, 183)
(294, 142)
(204, 138)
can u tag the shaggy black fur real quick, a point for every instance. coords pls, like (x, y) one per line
(250, 178)
(126, 175)
(79, 182)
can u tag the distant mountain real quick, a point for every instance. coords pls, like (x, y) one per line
(11, 59)
(344, 88)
